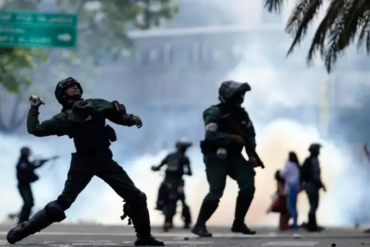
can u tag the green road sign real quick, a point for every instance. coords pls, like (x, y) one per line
(32, 29)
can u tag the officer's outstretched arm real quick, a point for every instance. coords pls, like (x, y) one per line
(163, 162)
(212, 118)
(39, 163)
(118, 115)
(47, 128)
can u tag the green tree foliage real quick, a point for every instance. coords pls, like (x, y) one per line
(17, 63)
(102, 31)
(15, 66)
(345, 22)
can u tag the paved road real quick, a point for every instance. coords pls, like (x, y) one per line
(96, 235)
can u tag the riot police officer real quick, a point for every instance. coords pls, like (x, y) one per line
(222, 157)
(177, 164)
(25, 176)
(85, 122)
(312, 183)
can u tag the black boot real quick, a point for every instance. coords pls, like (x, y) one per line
(206, 211)
(38, 222)
(243, 203)
(186, 216)
(150, 241)
(312, 224)
(241, 227)
(139, 214)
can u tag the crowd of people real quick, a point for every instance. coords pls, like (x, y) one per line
(293, 179)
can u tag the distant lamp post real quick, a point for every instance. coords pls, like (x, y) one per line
(324, 106)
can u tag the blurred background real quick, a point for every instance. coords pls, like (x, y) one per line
(165, 62)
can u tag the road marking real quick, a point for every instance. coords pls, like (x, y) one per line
(288, 243)
(158, 234)
(96, 242)
(182, 235)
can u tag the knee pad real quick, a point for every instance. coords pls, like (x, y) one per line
(214, 196)
(135, 203)
(55, 211)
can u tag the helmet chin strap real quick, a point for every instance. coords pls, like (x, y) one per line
(69, 100)
(76, 96)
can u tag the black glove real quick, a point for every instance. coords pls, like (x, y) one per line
(136, 121)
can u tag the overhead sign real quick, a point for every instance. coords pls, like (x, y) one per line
(33, 29)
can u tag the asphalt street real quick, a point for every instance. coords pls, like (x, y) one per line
(98, 235)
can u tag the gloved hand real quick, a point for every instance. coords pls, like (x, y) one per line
(323, 187)
(136, 121)
(35, 100)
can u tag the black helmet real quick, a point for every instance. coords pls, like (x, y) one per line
(62, 86)
(314, 148)
(25, 151)
(183, 143)
(228, 89)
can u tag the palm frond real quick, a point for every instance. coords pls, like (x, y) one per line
(334, 35)
(351, 21)
(344, 33)
(318, 41)
(299, 21)
(364, 32)
(273, 5)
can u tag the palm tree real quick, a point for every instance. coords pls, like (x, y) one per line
(345, 22)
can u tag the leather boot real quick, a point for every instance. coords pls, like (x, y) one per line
(243, 202)
(38, 222)
(206, 211)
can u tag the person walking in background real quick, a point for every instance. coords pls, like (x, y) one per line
(291, 176)
(279, 203)
(311, 181)
(172, 188)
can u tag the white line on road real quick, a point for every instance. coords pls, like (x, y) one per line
(159, 234)
(190, 235)
(287, 243)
